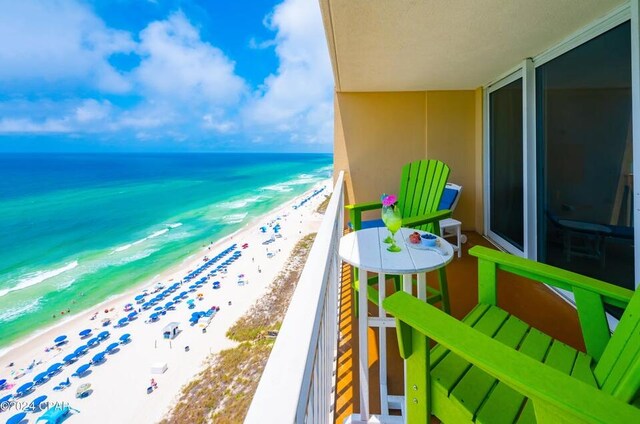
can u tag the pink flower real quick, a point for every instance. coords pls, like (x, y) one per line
(390, 200)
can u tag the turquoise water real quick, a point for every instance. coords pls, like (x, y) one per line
(79, 228)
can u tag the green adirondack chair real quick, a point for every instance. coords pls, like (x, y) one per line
(494, 368)
(421, 188)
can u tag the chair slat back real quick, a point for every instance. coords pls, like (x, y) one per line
(421, 188)
(618, 370)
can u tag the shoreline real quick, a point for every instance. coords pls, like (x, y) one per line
(166, 274)
(123, 378)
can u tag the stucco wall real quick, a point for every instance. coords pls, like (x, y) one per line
(377, 133)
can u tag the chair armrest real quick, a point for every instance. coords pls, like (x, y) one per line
(355, 212)
(553, 276)
(541, 383)
(364, 206)
(433, 217)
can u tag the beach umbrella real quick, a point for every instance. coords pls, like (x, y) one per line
(125, 337)
(158, 308)
(82, 369)
(17, 418)
(81, 350)
(93, 342)
(37, 401)
(98, 358)
(24, 389)
(103, 335)
(168, 305)
(85, 333)
(70, 358)
(60, 339)
(3, 381)
(153, 316)
(40, 377)
(6, 399)
(55, 367)
(176, 298)
(111, 347)
(123, 321)
(132, 315)
(139, 297)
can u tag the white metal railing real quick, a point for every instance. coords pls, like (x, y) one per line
(298, 382)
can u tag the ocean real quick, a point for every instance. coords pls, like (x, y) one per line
(77, 229)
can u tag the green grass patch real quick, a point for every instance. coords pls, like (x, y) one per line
(223, 391)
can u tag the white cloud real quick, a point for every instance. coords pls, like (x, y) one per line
(178, 64)
(59, 42)
(297, 100)
(183, 87)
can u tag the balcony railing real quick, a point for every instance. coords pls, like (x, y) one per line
(298, 382)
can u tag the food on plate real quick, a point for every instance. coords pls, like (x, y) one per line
(415, 237)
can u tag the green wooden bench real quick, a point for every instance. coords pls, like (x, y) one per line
(494, 368)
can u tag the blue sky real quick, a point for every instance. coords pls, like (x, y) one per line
(155, 75)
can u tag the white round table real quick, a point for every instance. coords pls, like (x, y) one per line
(365, 250)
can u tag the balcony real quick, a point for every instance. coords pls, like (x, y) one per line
(312, 373)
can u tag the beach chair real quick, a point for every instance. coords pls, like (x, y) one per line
(492, 367)
(421, 188)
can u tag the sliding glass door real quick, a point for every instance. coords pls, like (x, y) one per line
(505, 188)
(584, 159)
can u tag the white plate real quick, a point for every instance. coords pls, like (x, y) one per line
(421, 246)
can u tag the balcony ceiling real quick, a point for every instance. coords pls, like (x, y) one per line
(404, 45)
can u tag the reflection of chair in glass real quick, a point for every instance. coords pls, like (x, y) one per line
(450, 227)
(421, 188)
(493, 367)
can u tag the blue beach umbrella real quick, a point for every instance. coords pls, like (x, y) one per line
(60, 339)
(24, 389)
(3, 381)
(139, 297)
(70, 358)
(158, 308)
(6, 399)
(111, 347)
(98, 358)
(55, 367)
(37, 401)
(17, 418)
(104, 335)
(85, 333)
(176, 298)
(132, 315)
(81, 350)
(125, 338)
(123, 321)
(153, 316)
(82, 369)
(168, 305)
(40, 378)
(93, 342)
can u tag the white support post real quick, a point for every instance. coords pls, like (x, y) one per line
(363, 346)
(382, 335)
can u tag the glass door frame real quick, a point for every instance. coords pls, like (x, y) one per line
(514, 75)
(526, 71)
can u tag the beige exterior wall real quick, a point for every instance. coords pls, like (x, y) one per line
(377, 133)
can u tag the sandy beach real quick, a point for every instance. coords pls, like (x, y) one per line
(119, 384)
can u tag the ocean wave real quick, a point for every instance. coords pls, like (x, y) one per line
(21, 309)
(140, 255)
(38, 277)
(142, 240)
(282, 187)
(66, 284)
(234, 218)
(158, 233)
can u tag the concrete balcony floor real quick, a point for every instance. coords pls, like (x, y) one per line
(532, 302)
